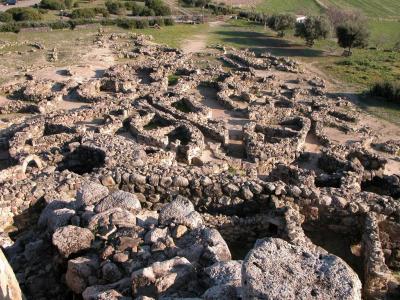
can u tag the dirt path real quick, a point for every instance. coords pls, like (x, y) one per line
(198, 43)
(24, 3)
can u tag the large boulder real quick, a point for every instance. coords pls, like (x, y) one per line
(275, 269)
(72, 239)
(180, 211)
(9, 287)
(90, 193)
(120, 199)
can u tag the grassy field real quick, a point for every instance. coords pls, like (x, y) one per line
(174, 36)
(293, 6)
(373, 8)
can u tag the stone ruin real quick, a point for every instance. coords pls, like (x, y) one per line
(205, 188)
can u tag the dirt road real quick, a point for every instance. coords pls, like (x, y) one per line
(23, 3)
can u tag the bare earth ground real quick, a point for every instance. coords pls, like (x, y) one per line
(198, 43)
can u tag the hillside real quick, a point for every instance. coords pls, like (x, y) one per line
(373, 8)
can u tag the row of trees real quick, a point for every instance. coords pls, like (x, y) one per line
(350, 27)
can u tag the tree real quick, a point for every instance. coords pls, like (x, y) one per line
(352, 35)
(136, 9)
(281, 23)
(313, 28)
(159, 8)
(115, 7)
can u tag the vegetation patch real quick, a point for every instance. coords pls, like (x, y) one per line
(173, 79)
(387, 90)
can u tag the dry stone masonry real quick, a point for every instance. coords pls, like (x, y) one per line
(167, 180)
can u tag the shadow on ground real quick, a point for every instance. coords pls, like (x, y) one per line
(259, 42)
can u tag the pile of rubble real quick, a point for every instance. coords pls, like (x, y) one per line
(160, 184)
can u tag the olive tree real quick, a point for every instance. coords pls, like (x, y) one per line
(281, 23)
(313, 28)
(352, 35)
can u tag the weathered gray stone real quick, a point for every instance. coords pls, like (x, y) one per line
(120, 199)
(180, 211)
(72, 239)
(90, 193)
(275, 269)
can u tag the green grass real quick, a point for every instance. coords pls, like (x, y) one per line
(173, 79)
(364, 67)
(173, 36)
(384, 33)
(292, 6)
(373, 8)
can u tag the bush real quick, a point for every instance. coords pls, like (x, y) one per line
(10, 27)
(158, 21)
(196, 3)
(140, 24)
(387, 90)
(282, 22)
(352, 34)
(25, 14)
(60, 25)
(115, 7)
(313, 28)
(136, 9)
(83, 13)
(169, 22)
(101, 10)
(6, 17)
(160, 9)
(219, 9)
(147, 12)
(52, 4)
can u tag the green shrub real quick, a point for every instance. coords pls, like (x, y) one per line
(25, 14)
(169, 22)
(115, 7)
(83, 13)
(158, 21)
(10, 27)
(160, 9)
(6, 17)
(60, 25)
(52, 4)
(101, 10)
(126, 23)
(140, 24)
(387, 90)
(147, 12)
(282, 22)
(136, 9)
